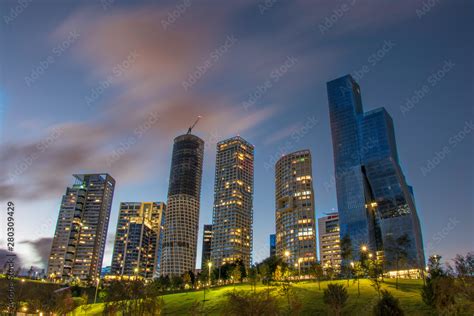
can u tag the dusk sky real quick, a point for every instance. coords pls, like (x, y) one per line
(105, 86)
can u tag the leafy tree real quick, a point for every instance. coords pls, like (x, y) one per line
(397, 248)
(358, 272)
(318, 272)
(253, 277)
(388, 305)
(346, 254)
(335, 296)
(375, 273)
(440, 290)
(464, 270)
(177, 282)
(236, 275)
(186, 279)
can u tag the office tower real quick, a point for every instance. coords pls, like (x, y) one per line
(329, 241)
(233, 203)
(137, 247)
(295, 219)
(182, 214)
(81, 230)
(272, 245)
(206, 246)
(376, 205)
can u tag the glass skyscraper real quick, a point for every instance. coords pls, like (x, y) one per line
(376, 205)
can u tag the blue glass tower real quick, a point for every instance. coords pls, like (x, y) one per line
(375, 203)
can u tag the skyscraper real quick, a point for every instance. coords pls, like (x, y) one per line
(272, 245)
(137, 247)
(295, 218)
(329, 241)
(81, 230)
(206, 246)
(376, 206)
(233, 202)
(182, 214)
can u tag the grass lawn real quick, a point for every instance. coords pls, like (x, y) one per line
(308, 292)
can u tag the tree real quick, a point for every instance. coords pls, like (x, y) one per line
(464, 270)
(346, 254)
(318, 272)
(236, 275)
(375, 271)
(397, 248)
(177, 282)
(358, 272)
(186, 279)
(388, 305)
(253, 277)
(335, 296)
(440, 290)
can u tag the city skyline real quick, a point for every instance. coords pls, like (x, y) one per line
(94, 90)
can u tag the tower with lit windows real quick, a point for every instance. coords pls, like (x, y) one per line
(295, 217)
(182, 214)
(81, 230)
(137, 247)
(233, 202)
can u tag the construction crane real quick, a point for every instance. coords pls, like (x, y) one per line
(192, 126)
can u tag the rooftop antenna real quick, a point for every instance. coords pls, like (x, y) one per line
(192, 126)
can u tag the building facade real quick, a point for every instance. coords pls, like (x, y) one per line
(233, 202)
(81, 230)
(329, 241)
(138, 238)
(182, 215)
(206, 246)
(295, 217)
(272, 245)
(376, 205)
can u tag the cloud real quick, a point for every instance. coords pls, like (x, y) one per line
(41, 249)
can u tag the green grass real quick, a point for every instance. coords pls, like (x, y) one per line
(308, 292)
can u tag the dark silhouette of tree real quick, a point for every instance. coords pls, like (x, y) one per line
(317, 272)
(346, 255)
(388, 305)
(250, 303)
(335, 296)
(397, 248)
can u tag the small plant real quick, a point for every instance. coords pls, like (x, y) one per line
(335, 296)
(388, 305)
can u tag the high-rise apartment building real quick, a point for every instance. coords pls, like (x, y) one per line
(206, 246)
(81, 230)
(376, 205)
(233, 202)
(295, 218)
(182, 214)
(329, 241)
(137, 247)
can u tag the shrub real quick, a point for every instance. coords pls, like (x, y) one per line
(250, 304)
(335, 296)
(388, 305)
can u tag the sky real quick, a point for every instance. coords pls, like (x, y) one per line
(105, 86)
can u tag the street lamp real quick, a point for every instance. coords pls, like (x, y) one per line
(364, 248)
(136, 273)
(209, 264)
(96, 290)
(299, 267)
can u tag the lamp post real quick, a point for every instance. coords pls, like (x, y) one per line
(96, 290)
(299, 268)
(209, 264)
(136, 273)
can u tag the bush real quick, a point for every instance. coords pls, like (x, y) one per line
(388, 305)
(250, 304)
(335, 296)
